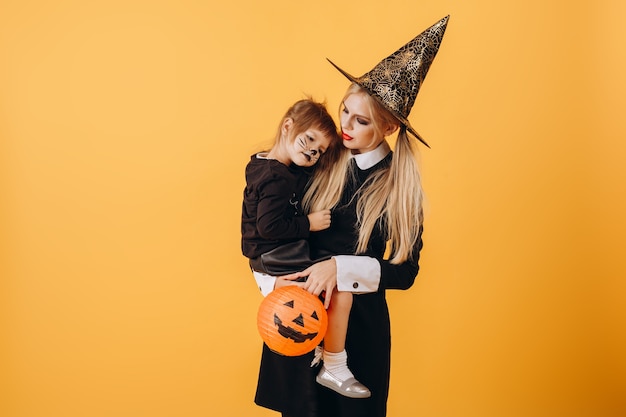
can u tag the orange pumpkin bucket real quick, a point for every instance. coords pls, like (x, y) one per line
(292, 321)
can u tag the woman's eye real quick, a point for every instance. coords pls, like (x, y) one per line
(362, 122)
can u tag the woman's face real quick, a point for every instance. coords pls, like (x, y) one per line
(358, 132)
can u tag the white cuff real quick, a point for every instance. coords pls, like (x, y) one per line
(357, 274)
(265, 282)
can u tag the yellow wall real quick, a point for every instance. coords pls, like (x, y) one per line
(124, 130)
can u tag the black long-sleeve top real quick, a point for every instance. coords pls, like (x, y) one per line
(272, 213)
(342, 235)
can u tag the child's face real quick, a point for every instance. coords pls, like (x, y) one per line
(308, 146)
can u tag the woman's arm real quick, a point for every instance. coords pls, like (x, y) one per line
(364, 274)
(359, 274)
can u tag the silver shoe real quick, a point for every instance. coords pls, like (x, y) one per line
(348, 388)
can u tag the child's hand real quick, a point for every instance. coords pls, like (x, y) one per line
(319, 220)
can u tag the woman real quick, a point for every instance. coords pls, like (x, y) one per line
(376, 197)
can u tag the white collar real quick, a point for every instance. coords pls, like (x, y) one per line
(369, 159)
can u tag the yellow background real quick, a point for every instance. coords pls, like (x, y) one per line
(125, 127)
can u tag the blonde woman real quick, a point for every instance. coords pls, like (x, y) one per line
(375, 236)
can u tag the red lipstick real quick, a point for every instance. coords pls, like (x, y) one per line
(345, 136)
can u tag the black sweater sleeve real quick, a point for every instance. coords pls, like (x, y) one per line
(401, 276)
(272, 223)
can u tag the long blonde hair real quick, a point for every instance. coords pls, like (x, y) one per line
(391, 196)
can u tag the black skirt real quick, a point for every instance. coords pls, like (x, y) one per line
(287, 384)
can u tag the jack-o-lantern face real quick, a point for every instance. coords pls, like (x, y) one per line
(291, 333)
(292, 321)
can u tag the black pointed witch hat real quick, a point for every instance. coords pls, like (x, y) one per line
(396, 80)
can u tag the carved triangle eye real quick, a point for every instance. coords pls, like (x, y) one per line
(289, 304)
(299, 320)
(314, 315)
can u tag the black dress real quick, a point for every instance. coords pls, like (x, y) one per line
(288, 384)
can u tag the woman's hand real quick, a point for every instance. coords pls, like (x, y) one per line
(283, 282)
(322, 278)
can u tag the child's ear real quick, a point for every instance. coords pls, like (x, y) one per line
(286, 126)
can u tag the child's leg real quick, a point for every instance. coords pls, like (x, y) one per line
(335, 373)
(338, 315)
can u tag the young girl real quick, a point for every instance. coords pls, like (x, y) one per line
(275, 228)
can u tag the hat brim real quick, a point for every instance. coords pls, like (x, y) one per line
(403, 120)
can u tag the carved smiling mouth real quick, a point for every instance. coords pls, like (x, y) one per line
(290, 332)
